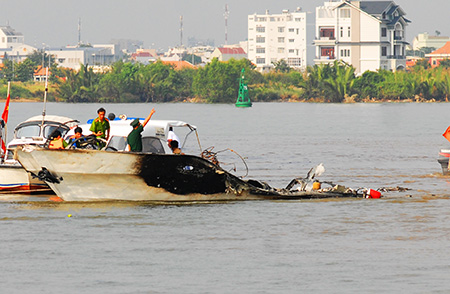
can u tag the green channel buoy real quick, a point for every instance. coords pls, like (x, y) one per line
(243, 100)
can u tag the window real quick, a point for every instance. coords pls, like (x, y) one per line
(118, 143)
(280, 50)
(281, 29)
(345, 13)
(294, 62)
(152, 144)
(291, 50)
(327, 33)
(348, 32)
(342, 31)
(383, 51)
(345, 52)
(327, 52)
(261, 29)
(260, 60)
(260, 50)
(383, 32)
(291, 40)
(291, 30)
(280, 39)
(260, 39)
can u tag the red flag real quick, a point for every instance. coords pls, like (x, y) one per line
(446, 134)
(5, 119)
(6, 110)
(3, 146)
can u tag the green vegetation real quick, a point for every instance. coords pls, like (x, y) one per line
(217, 82)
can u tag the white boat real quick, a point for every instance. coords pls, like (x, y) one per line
(13, 177)
(152, 175)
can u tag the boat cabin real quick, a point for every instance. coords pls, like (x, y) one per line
(33, 132)
(154, 136)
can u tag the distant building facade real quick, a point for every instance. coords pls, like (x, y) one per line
(424, 40)
(369, 35)
(438, 55)
(95, 55)
(227, 53)
(12, 45)
(273, 37)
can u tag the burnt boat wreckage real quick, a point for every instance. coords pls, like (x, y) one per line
(158, 175)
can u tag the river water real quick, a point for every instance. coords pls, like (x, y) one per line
(397, 244)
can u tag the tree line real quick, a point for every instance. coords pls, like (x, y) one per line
(218, 82)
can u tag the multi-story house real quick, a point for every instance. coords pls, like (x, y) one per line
(273, 37)
(12, 45)
(369, 35)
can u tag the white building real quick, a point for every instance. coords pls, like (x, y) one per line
(12, 45)
(273, 37)
(74, 56)
(225, 54)
(426, 41)
(369, 35)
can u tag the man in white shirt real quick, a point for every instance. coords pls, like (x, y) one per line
(171, 136)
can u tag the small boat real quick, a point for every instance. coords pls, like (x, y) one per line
(444, 155)
(33, 131)
(243, 100)
(156, 174)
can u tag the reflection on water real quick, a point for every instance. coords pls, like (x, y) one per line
(397, 244)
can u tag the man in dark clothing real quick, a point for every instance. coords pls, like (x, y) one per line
(134, 139)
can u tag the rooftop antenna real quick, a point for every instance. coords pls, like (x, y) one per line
(181, 31)
(79, 31)
(226, 14)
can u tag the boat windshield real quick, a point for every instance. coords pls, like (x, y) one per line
(152, 145)
(149, 144)
(33, 130)
(118, 143)
(28, 131)
(49, 129)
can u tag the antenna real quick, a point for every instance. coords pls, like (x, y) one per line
(181, 31)
(225, 15)
(79, 31)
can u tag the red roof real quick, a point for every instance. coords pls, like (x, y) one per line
(231, 50)
(443, 50)
(41, 71)
(142, 54)
(179, 64)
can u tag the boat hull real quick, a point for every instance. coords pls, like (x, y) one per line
(89, 175)
(15, 178)
(444, 155)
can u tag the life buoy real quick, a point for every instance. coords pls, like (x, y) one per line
(56, 144)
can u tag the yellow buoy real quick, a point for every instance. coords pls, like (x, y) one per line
(316, 186)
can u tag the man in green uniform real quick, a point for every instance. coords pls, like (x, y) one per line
(134, 139)
(100, 126)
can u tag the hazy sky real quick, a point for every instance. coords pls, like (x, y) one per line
(54, 22)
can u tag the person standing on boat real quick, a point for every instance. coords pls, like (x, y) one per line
(57, 141)
(134, 139)
(100, 125)
(171, 136)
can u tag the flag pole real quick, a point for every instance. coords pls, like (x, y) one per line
(5, 121)
(45, 100)
(7, 106)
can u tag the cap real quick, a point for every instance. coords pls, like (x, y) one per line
(135, 122)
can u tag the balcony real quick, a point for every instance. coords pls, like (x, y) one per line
(396, 57)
